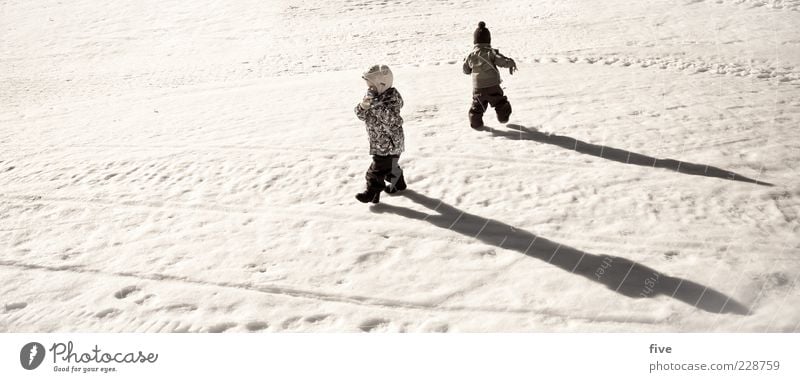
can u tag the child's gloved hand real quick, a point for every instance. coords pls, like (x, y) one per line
(512, 68)
(368, 98)
(366, 102)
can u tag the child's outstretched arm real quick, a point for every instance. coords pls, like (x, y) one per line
(505, 62)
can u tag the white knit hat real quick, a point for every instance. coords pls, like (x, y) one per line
(379, 76)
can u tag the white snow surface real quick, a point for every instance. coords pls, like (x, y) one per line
(174, 166)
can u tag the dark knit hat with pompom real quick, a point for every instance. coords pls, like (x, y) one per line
(481, 34)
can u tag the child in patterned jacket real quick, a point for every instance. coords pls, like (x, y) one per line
(380, 110)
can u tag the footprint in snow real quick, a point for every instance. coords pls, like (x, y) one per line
(220, 328)
(437, 328)
(256, 326)
(15, 306)
(125, 292)
(108, 313)
(374, 324)
(184, 308)
(316, 318)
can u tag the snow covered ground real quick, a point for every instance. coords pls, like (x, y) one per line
(173, 166)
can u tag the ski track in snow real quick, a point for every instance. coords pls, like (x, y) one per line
(317, 295)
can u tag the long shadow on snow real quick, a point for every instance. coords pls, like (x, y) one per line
(619, 155)
(618, 274)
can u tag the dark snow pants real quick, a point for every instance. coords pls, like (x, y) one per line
(384, 168)
(482, 98)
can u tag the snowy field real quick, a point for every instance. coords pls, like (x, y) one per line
(174, 166)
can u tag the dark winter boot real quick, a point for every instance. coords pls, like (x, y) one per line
(503, 112)
(476, 112)
(369, 196)
(476, 121)
(393, 187)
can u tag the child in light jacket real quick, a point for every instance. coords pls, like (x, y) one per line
(482, 64)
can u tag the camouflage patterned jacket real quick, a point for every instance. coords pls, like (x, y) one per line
(384, 123)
